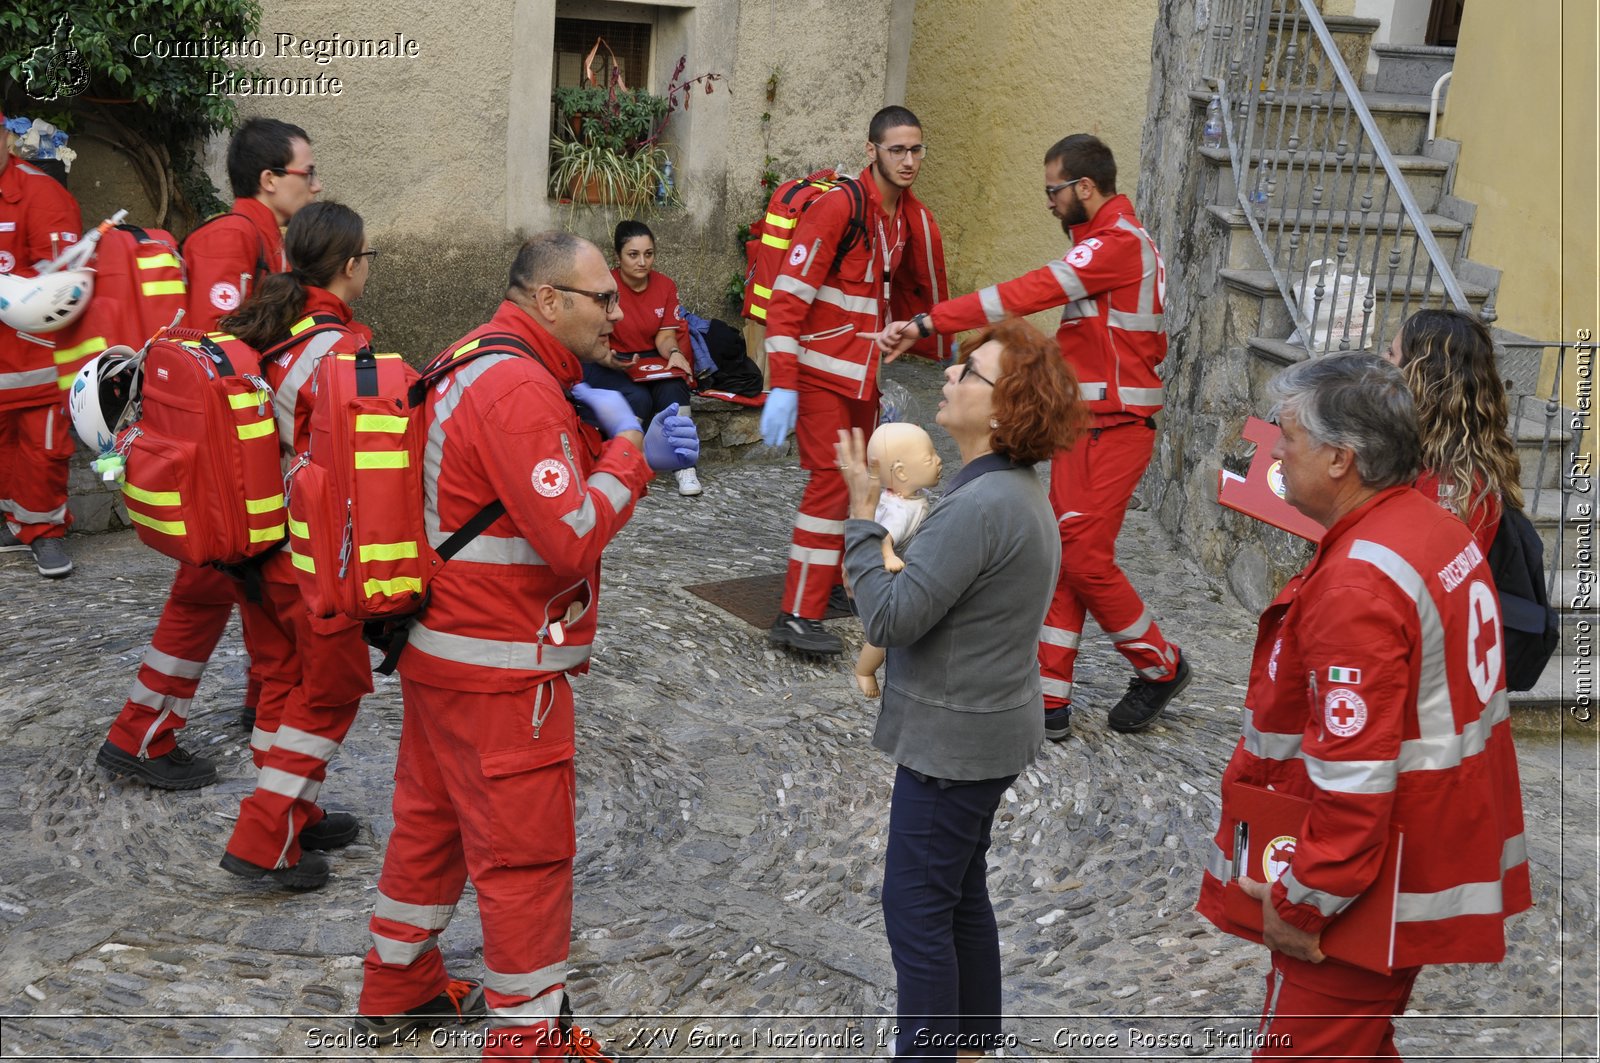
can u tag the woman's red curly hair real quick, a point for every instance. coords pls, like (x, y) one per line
(1036, 401)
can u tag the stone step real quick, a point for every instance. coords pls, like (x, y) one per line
(1318, 234)
(1412, 68)
(1402, 120)
(1352, 37)
(1307, 179)
(1529, 435)
(1255, 308)
(1567, 680)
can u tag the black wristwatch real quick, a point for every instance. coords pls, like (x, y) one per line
(924, 325)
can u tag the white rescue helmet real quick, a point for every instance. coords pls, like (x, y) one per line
(99, 395)
(47, 302)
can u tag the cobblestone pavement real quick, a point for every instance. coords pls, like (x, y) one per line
(732, 815)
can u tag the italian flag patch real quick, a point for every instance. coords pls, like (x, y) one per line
(1344, 675)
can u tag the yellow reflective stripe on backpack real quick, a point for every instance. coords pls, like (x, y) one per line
(166, 258)
(165, 527)
(257, 430)
(380, 422)
(298, 529)
(305, 564)
(94, 345)
(383, 459)
(392, 586)
(266, 535)
(164, 288)
(246, 399)
(782, 222)
(387, 551)
(301, 325)
(151, 498)
(758, 311)
(780, 242)
(263, 505)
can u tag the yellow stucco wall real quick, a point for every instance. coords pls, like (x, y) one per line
(995, 84)
(1522, 105)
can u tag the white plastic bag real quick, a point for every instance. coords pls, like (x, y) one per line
(1340, 309)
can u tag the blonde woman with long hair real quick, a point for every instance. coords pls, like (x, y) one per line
(1469, 459)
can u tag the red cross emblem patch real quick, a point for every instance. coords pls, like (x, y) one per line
(550, 478)
(1344, 712)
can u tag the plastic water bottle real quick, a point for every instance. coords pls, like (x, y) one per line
(664, 189)
(1212, 137)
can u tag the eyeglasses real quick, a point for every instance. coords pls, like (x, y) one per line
(309, 173)
(1051, 190)
(607, 300)
(967, 370)
(371, 253)
(900, 151)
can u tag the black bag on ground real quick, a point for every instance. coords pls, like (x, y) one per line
(1532, 628)
(735, 371)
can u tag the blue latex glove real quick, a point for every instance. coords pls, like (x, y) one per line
(671, 443)
(777, 416)
(610, 409)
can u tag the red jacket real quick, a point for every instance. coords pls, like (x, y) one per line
(1111, 287)
(517, 604)
(290, 374)
(38, 220)
(1377, 690)
(814, 320)
(227, 257)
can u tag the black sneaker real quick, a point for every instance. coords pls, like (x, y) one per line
(1058, 724)
(335, 830)
(9, 542)
(1145, 699)
(310, 873)
(807, 636)
(177, 770)
(461, 1002)
(247, 717)
(580, 1044)
(50, 557)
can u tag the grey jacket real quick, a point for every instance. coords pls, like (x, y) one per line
(961, 624)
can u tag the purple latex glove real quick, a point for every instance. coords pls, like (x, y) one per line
(671, 442)
(610, 409)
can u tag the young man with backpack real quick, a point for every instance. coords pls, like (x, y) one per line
(38, 220)
(824, 369)
(484, 777)
(273, 173)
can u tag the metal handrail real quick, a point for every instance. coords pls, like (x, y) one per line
(1250, 62)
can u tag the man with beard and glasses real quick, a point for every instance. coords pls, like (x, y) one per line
(822, 322)
(1111, 287)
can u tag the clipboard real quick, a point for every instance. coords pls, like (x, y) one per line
(1267, 826)
(1259, 493)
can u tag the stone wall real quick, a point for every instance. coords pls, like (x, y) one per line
(1212, 383)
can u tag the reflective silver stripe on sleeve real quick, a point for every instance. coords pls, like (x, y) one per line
(1080, 308)
(855, 304)
(581, 520)
(809, 556)
(306, 744)
(29, 379)
(1140, 396)
(1471, 898)
(422, 916)
(1448, 751)
(177, 667)
(829, 364)
(782, 345)
(796, 287)
(433, 454)
(491, 550)
(278, 781)
(615, 491)
(993, 309)
(287, 394)
(531, 984)
(1434, 716)
(1056, 636)
(1352, 776)
(1128, 322)
(1329, 904)
(402, 953)
(1268, 745)
(817, 526)
(1067, 277)
(1218, 862)
(1092, 391)
(1150, 265)
(1133, 630)
(495, 653)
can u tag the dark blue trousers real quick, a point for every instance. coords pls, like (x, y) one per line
(646, 397)
(938, 917)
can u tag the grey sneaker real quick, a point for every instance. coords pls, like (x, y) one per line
(9, 542)
(50, 557)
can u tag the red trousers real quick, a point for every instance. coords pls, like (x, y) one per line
(314, 673)
(35, 447)
(818, 542)
(190, 627)
(1090, 486)
(1330, 1010)
(484, 787)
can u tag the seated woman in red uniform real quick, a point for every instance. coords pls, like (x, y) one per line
(1469, 460)
(649, 361)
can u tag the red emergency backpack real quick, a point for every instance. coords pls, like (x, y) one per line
(141, 270)
(771, 236)
(203, 481)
